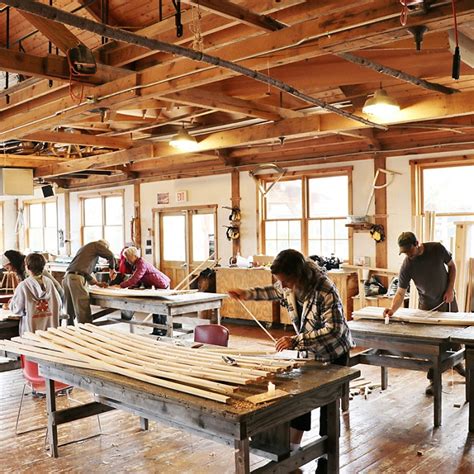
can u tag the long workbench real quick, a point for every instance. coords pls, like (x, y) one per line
(409, 346)
(172, 306)
(310, 387)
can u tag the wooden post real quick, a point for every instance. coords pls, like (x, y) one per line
(137, 221)
(52, 427)
(380, 196)
(235, 199)
(67, 230)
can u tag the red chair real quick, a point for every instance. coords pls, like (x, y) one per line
(212, 334)
(37, 384)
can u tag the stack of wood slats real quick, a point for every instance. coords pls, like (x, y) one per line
(197, 372)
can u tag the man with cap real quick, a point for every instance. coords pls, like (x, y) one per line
(432, 269)
(79, 274)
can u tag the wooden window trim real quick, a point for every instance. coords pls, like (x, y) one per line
(102, 196)
(305, 176)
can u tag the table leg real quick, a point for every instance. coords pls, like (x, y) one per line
(169, 323)
(52, 427)
(384, 378)
(143, 423)
(333, 429)
(470, 384)
(437, 389)
(242, 458)
(218, 315)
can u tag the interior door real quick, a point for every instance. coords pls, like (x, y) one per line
(173, 242)
(185, 237)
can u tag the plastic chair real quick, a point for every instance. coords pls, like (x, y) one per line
(37, 384)
(212, 334)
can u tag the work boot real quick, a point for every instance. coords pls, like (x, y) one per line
(460, 369)
(430, 390)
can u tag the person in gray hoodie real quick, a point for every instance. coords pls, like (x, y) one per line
(36, 299)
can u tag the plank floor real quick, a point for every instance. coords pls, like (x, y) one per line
(389, 432)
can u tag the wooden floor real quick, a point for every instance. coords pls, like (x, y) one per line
(388, 432)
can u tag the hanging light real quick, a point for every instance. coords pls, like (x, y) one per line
(183, 141)
(381, 105)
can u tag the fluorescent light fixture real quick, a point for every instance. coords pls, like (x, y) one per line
(183, 141)
(381, 105)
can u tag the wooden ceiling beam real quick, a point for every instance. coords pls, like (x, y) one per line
(202, 98)
(26, 161)
(55, 32)
(252, 48)
(236, 12)
(53, 67)
(80, 139)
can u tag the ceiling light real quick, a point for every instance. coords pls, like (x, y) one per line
(183, 141)
(381, 105)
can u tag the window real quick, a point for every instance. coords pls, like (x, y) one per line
(308, 213)
(103, 218)
(42, 226)
(447, 191)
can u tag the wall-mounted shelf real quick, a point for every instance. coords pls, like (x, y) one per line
(360, 226)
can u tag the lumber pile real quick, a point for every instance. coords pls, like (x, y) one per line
(142, 293)
(419, 316)
(208, 374)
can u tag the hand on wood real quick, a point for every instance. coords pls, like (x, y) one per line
(285, 342)
(112, 274)
(238, 294)
(387, 312)
(449, 296)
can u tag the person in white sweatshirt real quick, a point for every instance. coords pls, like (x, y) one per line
(36, 299)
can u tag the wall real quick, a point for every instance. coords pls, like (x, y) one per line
(217, 190)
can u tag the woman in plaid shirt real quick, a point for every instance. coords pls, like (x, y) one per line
(316, 312)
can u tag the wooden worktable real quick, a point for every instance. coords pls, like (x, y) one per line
(310, 387)
(407, 346)
(170, 307)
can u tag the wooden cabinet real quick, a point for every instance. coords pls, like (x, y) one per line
(227, 278)
(347, 286)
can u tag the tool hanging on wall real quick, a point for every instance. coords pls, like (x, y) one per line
(235, 214)
(267, 167)
(232, 232)
(391, 177)
(377, 232)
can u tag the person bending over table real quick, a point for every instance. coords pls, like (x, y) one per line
(36, 299)
(317, 314)
(79, 274)
(433, 271)
(145, 274)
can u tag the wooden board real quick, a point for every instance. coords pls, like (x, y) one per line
(227, 278)
(419, 316)
(266, 397)
(145, 293)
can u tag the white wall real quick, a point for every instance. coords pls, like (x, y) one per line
(200, 191)
(217, 190)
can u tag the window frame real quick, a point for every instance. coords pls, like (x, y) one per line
(103, 197)
(26, 209)
(417, 184)
(304, 176)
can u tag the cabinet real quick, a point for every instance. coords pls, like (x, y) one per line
(347, 286)
(227, 278)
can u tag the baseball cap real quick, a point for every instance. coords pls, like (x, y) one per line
(406, 240)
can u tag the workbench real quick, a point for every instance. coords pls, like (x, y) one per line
(9, 327)
(466, 336)
(172, 306)
(408, 346)
(312, 386)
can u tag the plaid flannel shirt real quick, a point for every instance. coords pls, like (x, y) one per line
(322, 328)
